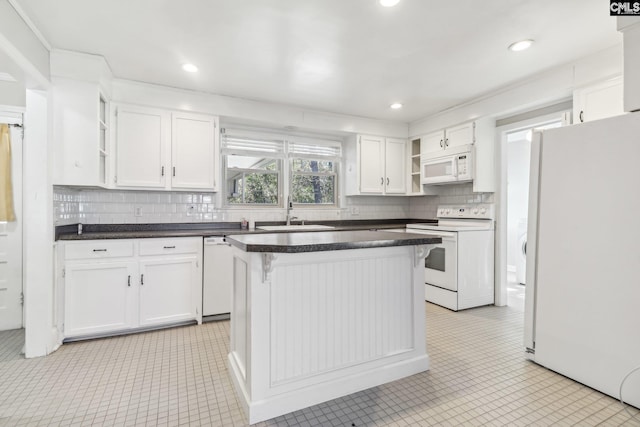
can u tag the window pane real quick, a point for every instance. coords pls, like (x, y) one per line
(313, 189)
(252, 180)
(305, 165)
(253, 188)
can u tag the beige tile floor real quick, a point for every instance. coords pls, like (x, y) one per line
(178, 376)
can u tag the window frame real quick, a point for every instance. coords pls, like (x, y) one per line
(335, 174)
(284, 149)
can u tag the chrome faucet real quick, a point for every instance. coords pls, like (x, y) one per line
(289, 209)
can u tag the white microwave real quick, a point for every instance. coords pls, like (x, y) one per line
(455, 166)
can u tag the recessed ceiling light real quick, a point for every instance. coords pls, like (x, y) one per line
(190, 68)
(389, 3)
(396, 105)
(521, 45)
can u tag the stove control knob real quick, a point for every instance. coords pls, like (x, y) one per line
(475, 211)
(483, 211)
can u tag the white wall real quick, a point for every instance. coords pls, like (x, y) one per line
(12, 94)
(518, 155)
(40, 333)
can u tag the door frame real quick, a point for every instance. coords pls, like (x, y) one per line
(501, 297)
(14, 118)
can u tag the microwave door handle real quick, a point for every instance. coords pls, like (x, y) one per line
(455, 166)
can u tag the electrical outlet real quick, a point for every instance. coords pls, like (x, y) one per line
(355, 210)
(191, 209)
(138, 211)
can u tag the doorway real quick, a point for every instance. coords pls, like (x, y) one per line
(513, 204)
(11, 297)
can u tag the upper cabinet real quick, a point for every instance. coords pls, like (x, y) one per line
(142, 139)
(395, 166)
(194, 151)
(630, 28)
(377, 166)
(80, 133)
(479, 135)
(448, 138)
(158, 149)
(598, 101)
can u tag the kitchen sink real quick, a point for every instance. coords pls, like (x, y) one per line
(306, 227)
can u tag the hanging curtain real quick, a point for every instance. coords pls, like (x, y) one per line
(6, 188)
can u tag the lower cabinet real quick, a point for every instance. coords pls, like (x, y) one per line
(167, 290)
(98, 297)
(114, 286)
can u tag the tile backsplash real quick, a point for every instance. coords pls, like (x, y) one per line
(455, 194)
(96, 206)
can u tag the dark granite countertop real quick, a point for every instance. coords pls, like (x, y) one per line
(211, 229)
(327, 241)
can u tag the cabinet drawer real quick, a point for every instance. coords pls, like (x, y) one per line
(98, 249)
(170, 246)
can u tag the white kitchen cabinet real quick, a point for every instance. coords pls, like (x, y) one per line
(414, 185)
(484, 137)
(630, 28)
(98, 297)
(194, 151)
(114, 286)
(80, 133)
(167, 290)
(457, 136)
(371, 164)
(441, 140)
(377, 166)
(480, 136)
(395, 166)
(142, 138)
(432, 142)
(598, 101)
(158, 149)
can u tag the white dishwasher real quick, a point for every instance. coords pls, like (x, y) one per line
(217, 278)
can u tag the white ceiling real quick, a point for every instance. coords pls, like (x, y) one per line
(345, 56)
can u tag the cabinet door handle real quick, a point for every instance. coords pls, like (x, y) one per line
(162, 171)
(142, 279)
(169, 247)
(446, 142)
(581, 116)
(387, 181)
(441, 143)
(99, 250)
(129, 280)
(174, 171)
(381, 180)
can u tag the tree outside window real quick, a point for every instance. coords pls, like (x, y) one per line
(313, 182)
(252, 180)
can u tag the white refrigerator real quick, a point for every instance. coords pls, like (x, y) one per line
(582, 306)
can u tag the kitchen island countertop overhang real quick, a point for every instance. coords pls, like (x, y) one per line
(326, 241)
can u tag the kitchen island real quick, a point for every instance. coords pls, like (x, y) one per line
(320, 315)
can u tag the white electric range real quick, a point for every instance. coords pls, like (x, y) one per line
(459, 272)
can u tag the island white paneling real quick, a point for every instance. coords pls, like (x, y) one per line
(310, 327)
(331, 315)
